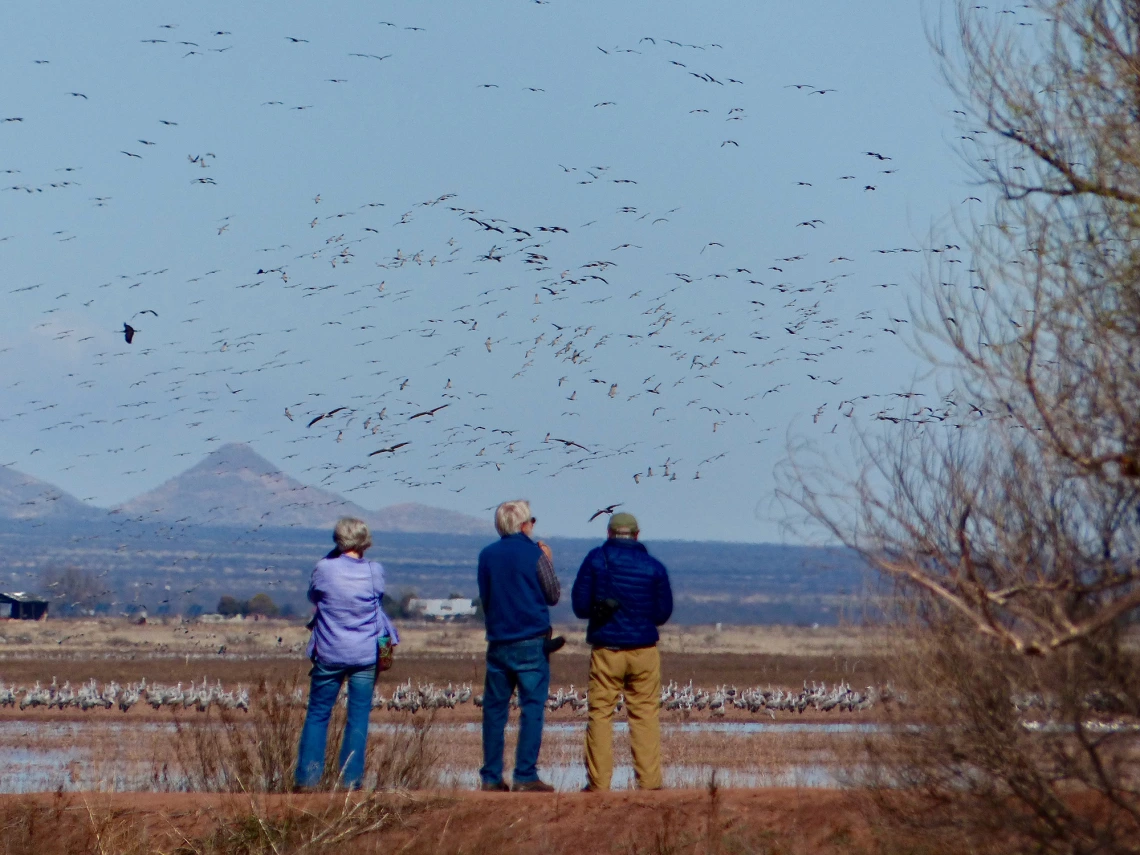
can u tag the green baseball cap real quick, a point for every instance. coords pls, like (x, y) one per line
(624, 522)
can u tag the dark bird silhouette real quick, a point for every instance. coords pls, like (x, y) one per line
(609, 509)
(390, 450)
(569, 443)
(326, 415)
(429, 412)
(129, 332)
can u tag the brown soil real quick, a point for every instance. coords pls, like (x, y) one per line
(788, 821)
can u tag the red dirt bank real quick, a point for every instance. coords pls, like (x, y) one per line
(678, 821)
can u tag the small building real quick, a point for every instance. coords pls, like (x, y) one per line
(21, 606)
(457, 607)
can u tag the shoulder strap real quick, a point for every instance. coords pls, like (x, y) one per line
(375, 588)
(606, 586)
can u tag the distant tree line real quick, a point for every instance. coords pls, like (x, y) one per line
(259, 604)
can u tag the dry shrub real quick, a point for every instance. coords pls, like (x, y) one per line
(68, 825)
(960, 770)
(232, 751)
(408, 756)
(296, 831)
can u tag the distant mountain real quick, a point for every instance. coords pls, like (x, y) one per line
(235, 486)
(23, 497)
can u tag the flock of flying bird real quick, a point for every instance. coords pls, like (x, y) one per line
(431, 343)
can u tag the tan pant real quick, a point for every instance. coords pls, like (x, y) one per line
(637, 674)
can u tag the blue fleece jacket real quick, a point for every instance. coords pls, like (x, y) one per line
(514, 607)
(624, 570)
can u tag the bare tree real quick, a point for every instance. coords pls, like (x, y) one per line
(1011, 527)
(73, 590)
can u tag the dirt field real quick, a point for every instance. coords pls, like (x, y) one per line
(678, 821)
(260, 636)
(248, 651)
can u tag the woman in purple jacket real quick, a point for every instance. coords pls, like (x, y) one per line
(348, 624)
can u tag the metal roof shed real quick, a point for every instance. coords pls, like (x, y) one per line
(21, 606)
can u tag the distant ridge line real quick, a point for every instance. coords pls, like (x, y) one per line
(232, 486)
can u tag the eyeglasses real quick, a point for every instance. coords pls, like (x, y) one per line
(533, 520)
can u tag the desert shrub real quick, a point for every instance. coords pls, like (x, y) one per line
(255, 751)
(234, 750)
(407, 756)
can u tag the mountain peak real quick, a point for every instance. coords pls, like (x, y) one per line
(233, 485)
(236, 455)
(24, 497)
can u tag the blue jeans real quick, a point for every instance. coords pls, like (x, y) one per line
(510, 665)
(323, 690)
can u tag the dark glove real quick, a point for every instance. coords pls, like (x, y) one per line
(602, 610)
(552, 642)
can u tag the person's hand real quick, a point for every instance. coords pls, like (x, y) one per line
(546, 551)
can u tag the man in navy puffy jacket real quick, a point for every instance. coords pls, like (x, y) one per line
(624, 592)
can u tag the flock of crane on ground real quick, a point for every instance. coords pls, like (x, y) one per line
(407, 697)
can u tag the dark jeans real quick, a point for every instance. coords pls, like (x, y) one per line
(323, 690)
(510, 665)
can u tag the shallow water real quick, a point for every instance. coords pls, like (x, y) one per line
(45, 756)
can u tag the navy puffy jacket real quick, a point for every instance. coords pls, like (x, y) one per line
(624, 570)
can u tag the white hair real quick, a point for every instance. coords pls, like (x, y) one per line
(510, 516)
(351, 535)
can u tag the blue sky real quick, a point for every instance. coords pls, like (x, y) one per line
(311, 229)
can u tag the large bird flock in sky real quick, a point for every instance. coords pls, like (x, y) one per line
(449, 255)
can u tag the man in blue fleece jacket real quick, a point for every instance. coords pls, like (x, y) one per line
(517, 586)
(624, 592)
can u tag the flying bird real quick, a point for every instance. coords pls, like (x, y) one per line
(389, 450)
(609, 509)
(129, 332)
(569, 443)
(326, 415)
(429, 412)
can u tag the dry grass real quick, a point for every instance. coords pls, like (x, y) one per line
(695, 823)
(250, 827)
(273, 637)
(233, 751)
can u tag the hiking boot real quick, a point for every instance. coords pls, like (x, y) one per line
(500, 787)
(532, 787)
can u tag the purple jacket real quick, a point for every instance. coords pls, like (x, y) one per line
(347, 593)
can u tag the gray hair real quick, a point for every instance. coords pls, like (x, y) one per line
(510, 516)
(351, 535)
